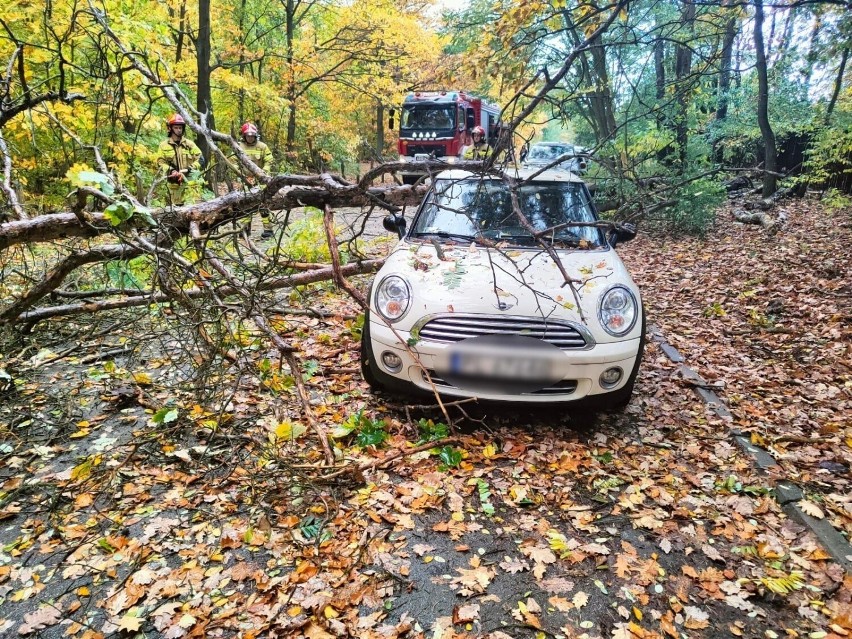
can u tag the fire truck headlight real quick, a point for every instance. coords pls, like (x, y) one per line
(451, 159)
(434, 135)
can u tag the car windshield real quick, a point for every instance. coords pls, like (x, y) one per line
(471, 209)
(420, 118)
(548, 153)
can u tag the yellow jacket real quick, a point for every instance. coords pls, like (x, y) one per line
(258, 152)
(183, 156)
(476, 152)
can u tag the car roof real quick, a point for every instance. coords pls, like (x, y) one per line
(552, 144)
(550, 175)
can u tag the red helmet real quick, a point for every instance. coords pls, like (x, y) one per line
(478, 130)
(175, 118)
(248, 129)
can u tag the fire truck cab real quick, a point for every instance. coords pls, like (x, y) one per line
(438, 124)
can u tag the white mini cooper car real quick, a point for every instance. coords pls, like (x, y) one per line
(471, 303)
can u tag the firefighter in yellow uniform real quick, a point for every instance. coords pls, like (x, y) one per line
(260, 155)
(479, 150)
(177, 157)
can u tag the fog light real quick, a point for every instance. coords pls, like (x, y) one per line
(611, 376)
(392, 361)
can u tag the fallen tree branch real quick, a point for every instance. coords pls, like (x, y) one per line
(57, 274)
(17, 210)
(230, 206)
(357, 471)
(299, 279)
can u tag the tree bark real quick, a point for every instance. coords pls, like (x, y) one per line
(770, 162)
(838, 84)
(683, 67)
(290, 29)
(204, 99)
(660, 79)
(725, 67)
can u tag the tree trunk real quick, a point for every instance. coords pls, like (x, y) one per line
(290, 18)
(725, 67)
(838, 84)
(660, 77)
(602, 96)
(770, 164)
(204, 98)
(380, 129)
(181, 32)
(683, 67)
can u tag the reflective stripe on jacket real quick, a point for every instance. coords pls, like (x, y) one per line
(183, 156)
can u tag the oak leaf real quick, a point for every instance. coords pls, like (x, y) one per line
(130, 623)
(40, 619)
(514, 566)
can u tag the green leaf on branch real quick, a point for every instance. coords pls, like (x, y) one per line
(118, 213)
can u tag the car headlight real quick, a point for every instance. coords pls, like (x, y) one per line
(393, 298)
(617, 311)
(451, 159)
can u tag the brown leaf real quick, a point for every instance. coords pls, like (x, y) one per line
(465, 614)
(40, 619)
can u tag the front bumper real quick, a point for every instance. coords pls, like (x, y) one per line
(583, 368)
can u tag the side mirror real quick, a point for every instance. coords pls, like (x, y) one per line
(391, 119)
(621, 233)
(394, 224)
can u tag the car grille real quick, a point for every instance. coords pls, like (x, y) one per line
(454, 328)
(414, 149)
(563, 387)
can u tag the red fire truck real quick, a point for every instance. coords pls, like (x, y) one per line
(437, 125)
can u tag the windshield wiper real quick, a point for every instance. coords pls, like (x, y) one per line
(446, 236)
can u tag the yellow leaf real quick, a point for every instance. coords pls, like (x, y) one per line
(457, 516)
(489, 451)
(637, 613)
(810, 508)
(330, 613)
(289, 430)
(143, 379)
(130, 623)
(79, 434)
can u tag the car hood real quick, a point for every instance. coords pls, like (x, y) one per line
(511, 281)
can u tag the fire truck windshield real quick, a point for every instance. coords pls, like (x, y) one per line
(422, 117)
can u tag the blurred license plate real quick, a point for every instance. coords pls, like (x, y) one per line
(497, 366)
(421, 157)
(502, 364)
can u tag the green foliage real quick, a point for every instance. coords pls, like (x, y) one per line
(80, 175)
(450, 457)
(165, 415)
(429, 431)
(128, 274)
(368, 432)
(696, 206)
(312, 528)
(835, 200)
(304, 239)
(484, 496)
